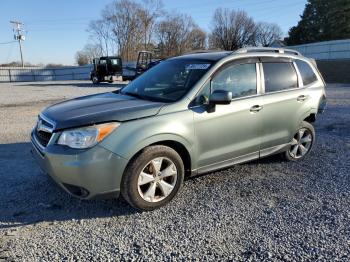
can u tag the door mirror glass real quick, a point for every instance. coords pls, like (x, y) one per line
(220, 97)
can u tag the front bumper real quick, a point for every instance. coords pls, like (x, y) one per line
(86, 174)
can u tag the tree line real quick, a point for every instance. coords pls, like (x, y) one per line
(126, 27)
(322, 21)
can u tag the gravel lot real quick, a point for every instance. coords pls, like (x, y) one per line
(264, 210)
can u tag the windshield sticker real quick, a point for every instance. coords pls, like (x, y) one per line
(197, 66)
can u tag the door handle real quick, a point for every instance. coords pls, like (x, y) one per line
(255, 108)
(301, 98)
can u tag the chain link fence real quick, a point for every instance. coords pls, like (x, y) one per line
(27, 74)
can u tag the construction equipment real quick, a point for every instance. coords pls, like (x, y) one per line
(107, 69)
(144, 62)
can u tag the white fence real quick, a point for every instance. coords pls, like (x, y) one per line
(19, 74)
(328, 50)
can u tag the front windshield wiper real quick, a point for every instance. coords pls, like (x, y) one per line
(134, 95)
(148, 98)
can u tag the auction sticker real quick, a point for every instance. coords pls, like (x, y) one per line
(197, 66)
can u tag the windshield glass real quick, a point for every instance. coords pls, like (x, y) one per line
(168, 81)
(115, 61)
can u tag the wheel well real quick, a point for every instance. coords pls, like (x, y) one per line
(181, 150)
(311, 118)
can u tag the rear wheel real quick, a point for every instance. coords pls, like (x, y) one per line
(302, 142)
(95, 80)
(153, 178)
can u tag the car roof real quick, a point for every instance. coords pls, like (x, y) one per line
(109, 57)
(208, 56)
(249, 52)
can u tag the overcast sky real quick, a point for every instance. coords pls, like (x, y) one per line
(56, 29)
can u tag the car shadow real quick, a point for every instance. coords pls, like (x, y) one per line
(268, 160)
(28, 196)
(75, 84)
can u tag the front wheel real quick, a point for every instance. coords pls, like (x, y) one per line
(302, 142)
(152, 178)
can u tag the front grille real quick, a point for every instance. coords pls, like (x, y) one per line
(45, 123)
(43, 137)
(43, 131)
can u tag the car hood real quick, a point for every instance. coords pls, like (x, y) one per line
(89, 110)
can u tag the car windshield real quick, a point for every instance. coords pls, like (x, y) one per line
(115, 61)
(168, 81)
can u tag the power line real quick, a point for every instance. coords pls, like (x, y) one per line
(40, 21)
(57, 29)
(259, 10)
(5, 43)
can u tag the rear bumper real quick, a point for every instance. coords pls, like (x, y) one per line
(85, 174)
(322, 105)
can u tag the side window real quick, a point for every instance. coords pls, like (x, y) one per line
(239, 79)
(307, 74)
(279, 76)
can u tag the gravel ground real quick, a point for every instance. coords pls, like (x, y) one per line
(264, 210)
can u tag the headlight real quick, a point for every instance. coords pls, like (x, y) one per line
(86, 137)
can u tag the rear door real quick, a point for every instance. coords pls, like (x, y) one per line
(282, 103)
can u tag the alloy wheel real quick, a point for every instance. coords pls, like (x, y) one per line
(157, 179)
(301, 143)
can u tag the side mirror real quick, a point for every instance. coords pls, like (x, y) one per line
(220, 97)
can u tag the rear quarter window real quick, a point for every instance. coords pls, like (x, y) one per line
(279, 76)
(307, 74)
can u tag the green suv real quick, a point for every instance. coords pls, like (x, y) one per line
(188, 115)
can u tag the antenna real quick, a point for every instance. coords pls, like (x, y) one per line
(19, 35)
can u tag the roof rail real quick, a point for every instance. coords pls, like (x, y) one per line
(204, 51)
(268, 49)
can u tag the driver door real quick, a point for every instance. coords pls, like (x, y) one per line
(231, 133)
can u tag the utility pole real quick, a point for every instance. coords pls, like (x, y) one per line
(18, 29)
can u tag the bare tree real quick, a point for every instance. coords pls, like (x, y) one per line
(177, 34)
(148, 13)
(89, 52)
(232, 29)
(127, 27)
(197, 39)
(124, 18)
(101, 34)
(81, 58)
(131, 26)
(267, 33)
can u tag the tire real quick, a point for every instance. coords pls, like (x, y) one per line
(302, 142)
(95, 80)
(137, 189)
